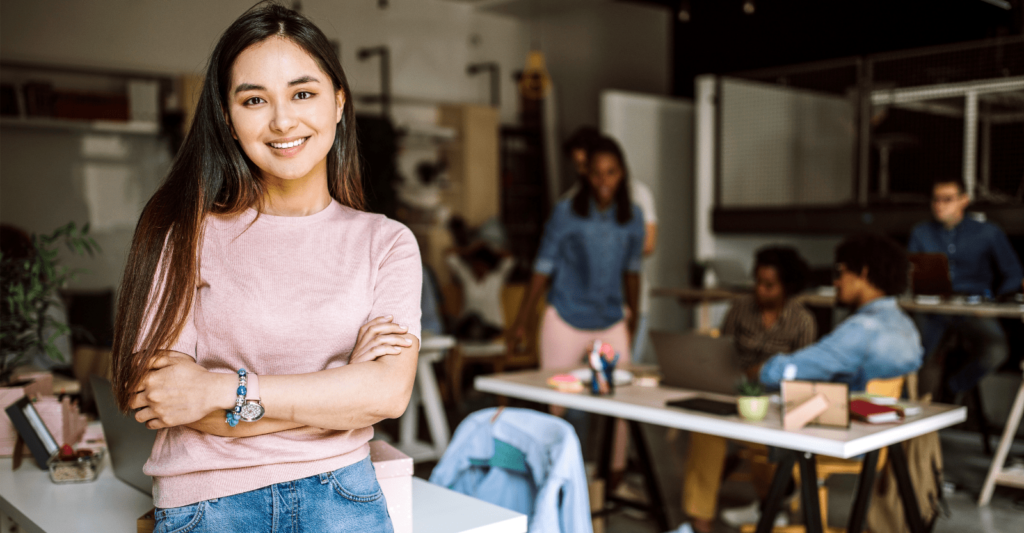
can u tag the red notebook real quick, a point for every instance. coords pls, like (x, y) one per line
(866, 411)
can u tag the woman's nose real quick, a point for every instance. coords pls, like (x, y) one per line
(284, 118)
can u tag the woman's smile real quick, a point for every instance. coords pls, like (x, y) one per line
(287, 148)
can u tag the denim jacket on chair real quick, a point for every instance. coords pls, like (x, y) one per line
(526, 461)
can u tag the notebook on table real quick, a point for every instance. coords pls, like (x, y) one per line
(872, 413)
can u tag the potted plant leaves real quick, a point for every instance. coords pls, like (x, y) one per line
(31, 277)
(752, 403)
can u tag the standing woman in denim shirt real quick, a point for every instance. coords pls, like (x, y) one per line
(590, 256)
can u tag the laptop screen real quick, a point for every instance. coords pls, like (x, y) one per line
(129, 442)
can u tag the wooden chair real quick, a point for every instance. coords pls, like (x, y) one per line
(493, 353)
(828, 466)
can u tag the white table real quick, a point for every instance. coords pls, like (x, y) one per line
(436, 509)
(647, 405)
(108, 505)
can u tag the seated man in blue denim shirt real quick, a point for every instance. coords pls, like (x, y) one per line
(977, 252)
(878, 341)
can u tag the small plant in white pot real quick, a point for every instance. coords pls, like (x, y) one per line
(752, 402)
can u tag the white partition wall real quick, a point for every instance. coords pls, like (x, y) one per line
(656, 134)
(817, 250)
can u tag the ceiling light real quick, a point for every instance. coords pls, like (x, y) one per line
(684, 11)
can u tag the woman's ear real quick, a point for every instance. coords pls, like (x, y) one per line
(340, 97)
(227, 119)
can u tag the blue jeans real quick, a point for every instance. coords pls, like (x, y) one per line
(982, 338)
(345, 500)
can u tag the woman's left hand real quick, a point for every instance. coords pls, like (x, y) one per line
(175, 392)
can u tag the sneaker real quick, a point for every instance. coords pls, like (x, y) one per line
(683, 528)
(750, 514)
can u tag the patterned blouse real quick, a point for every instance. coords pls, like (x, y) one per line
(794, 329)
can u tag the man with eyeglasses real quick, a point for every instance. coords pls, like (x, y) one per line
(981, 263)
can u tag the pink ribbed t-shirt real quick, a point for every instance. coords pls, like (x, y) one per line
(286, 295)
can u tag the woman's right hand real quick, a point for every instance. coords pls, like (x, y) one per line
(377, 338)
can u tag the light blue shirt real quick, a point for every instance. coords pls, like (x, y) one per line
(878, 341)
(526, 461)
(586, 258)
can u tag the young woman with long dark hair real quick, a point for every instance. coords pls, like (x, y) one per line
(258, 319)
(590, 256)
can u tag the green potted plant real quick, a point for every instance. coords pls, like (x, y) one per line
(29, 283)
(752, 402)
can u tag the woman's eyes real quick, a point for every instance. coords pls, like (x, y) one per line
(301, 95)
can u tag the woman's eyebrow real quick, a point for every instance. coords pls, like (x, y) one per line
(253, 87)
(249, 87)
(304, 79)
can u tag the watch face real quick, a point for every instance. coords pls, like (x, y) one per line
(251, 412)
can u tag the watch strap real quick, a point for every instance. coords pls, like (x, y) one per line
(252, 390)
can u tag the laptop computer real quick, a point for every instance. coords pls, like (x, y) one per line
(697, 362)
(129, 442)
(930, 274)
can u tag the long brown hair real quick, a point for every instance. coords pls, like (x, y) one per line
(212, 174)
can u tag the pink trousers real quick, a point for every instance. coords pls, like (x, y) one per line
(564, 347)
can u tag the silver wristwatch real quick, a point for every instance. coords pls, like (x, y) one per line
(251, 411)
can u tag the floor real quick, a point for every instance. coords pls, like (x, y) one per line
(965, 469)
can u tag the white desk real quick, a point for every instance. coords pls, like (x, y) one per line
(647, 405)
(436, 509)
(110, 506)
(38, 505)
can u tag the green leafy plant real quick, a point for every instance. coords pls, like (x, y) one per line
(747, 387)
(28, 288)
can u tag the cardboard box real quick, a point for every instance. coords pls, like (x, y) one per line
(394, 473)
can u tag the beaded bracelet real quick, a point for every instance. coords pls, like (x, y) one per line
(234, 415)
